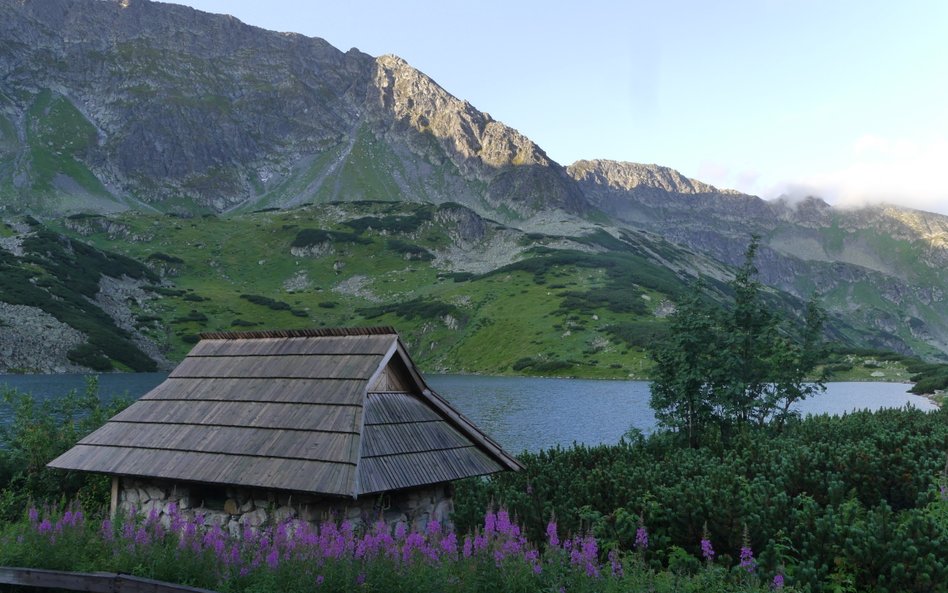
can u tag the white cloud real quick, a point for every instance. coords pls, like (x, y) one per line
(893, 170)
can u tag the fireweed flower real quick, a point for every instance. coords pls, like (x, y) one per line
(34, 515)
(616, 564)
(747, 554)
(273, 559)
(106, 530)
(503, 521)
(490, 523)
(706, 550)
(45, 526)
(551, 537)
(641, 539)
(778, 582)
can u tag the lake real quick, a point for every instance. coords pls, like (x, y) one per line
(525, 413)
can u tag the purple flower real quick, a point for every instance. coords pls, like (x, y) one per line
(34, 515)
(433, 528)
(319, 580)
(467, 550)
(490, 523)
(503, 521)
(706, 550)
(778, 582)
(449, 545)
(617, 571)
(480, 542)
(45, 526)
(141, 536)
(551, 537)
(360, 579)
(747, 559)
(106, 530)
(273, 559)
(641, 539)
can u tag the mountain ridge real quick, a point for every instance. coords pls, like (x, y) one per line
(196, 115)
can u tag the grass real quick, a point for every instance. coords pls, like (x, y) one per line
(459, 326)
(59, 139)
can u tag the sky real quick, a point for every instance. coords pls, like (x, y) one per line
(841, 99)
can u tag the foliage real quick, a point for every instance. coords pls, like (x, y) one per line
(421, 308)
(407, 223)
(409, 250)
(720, 370)
(638, 334)
(40, 431)
(829, 498)
(273, 304)
(310, 237)
(293, 557)
(928, 377)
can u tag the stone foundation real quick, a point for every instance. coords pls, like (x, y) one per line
(234, 508)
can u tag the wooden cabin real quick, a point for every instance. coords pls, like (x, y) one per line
(256, 427)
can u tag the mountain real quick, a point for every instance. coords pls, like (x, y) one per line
(882, 267)
(246, 170)
(178, 109)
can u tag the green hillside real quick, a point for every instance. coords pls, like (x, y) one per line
(585, 307)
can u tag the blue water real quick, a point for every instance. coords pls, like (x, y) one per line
(523, 413)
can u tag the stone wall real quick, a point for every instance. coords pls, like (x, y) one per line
(233, 508)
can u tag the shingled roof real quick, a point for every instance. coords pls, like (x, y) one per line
(340, 412)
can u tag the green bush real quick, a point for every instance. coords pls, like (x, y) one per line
(420, 308)
(37, 433)
(828, 498)
(409, 251)
(310, 237)
(89, 356)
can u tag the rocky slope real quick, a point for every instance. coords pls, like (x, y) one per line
(882, 265)
(177, 109)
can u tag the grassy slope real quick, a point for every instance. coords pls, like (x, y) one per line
(483, 324)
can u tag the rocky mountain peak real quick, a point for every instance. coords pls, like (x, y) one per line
(629, 176)
(413, 98)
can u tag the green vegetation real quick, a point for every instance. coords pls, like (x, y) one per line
(39, 431)
(596, 312)
(60, 138)
(719, 370)
(838, 503)
(311, 237)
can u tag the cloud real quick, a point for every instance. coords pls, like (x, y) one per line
(893, 170)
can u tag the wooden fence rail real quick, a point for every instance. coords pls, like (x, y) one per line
(91, 582)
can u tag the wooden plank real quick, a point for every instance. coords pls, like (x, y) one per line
(279, 367)
(95, 582)
(246, 414)
(319, 477)
(113, 501)
(380, 474)
(388, 439)
(232, 440)
(394, 408)
(302, 390)
(345, 345)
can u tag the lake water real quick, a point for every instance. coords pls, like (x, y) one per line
(524, 413)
